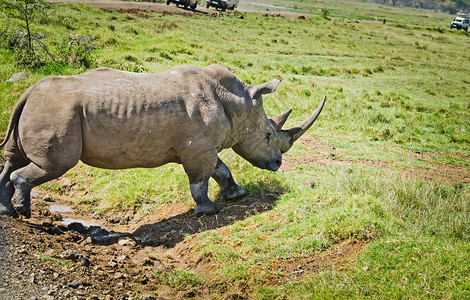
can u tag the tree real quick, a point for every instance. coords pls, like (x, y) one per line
(18, 33)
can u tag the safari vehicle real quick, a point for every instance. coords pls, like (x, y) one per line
(462, 21)
(185, 3)
(222, 4)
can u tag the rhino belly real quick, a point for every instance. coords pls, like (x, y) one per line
(121, 146)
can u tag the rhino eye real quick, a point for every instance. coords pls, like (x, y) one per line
(268, 136)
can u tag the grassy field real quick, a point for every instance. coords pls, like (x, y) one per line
(393, 90)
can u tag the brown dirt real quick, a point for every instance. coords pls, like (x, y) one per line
(120, 260)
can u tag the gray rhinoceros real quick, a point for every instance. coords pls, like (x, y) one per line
(116, 120)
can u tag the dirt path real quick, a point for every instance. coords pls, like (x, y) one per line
(172, 9)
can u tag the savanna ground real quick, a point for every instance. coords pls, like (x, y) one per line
(372, 202)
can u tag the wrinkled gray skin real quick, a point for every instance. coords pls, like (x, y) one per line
(116, 120)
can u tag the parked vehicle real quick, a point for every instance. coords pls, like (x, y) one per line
(460, 23)
(222, 4)
(185, 3)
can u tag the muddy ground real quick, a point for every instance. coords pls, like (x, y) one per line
(62, 254)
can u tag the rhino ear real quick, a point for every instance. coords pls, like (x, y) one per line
(264, 88)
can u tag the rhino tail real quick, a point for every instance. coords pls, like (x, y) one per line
(15, 116)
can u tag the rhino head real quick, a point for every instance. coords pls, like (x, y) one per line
(263, 141)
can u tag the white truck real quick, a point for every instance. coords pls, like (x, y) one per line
(462, 21)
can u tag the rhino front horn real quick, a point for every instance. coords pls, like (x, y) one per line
(297, 131)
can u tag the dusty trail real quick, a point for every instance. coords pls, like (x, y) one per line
(172, 9)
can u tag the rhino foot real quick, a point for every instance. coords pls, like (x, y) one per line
(232, 192)
(207, 209)
(22, 207)
(7, 210)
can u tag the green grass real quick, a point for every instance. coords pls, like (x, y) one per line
(405, 267)
(392, 89)
(419, 234)
(357, 10)
(59, 262)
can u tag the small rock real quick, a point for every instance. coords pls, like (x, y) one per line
(32, 278)
(44, 212)
(78, 227)
(119, 275)
(56, 217)
(147, 297)
(112, 263)
(121, 258)
(17, 77)
(126, 242)
(75, 256)
(47, 197)
(72, 285)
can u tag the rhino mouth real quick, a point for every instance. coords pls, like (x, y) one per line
(274, 165)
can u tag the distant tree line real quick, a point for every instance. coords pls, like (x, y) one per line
(450, 6)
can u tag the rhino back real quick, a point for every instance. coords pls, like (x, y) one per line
(134, 120)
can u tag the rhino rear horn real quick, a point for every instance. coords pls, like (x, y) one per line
(255, 92)
(281, 119)
(297, 131)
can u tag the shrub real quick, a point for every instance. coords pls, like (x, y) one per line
(76, 49)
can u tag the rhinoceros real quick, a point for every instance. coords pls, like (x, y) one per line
(116, 120)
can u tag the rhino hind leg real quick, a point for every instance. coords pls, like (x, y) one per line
(6, 191)
(24, 179)
(229, 189)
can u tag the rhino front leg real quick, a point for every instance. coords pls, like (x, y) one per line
(229, 189)
(199, 167)
(204, 205)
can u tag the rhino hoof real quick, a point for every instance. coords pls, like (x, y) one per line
(232, 192)
(207, 209)
(23, 210)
